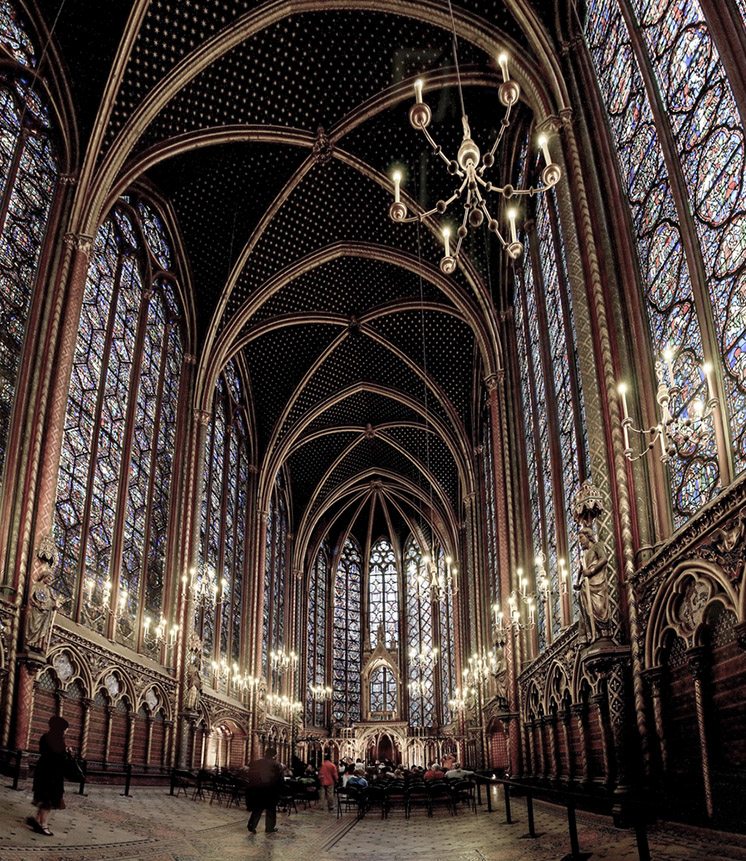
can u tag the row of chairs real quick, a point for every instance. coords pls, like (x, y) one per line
(389, 795)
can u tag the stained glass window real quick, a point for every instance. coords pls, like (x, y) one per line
(702, 118)
(420, 637)
(28, 177)
(274, 583)
(383, 593)
(346, 635)
(552, 407)
(383, 699)
(447, 642)
(318, 597)
(115, 475)
(223, 526)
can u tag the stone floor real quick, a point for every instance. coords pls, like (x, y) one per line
(153, 826)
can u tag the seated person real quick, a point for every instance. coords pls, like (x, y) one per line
(435, 772)
(458, 773)
(358, 779)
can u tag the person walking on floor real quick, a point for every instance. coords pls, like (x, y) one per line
(49, 776)
(328, 777)
(265, 785)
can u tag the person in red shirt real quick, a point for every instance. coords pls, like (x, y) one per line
(434, 773)
(328, 777)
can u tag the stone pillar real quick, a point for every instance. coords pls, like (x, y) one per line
(581, 715)
(551, 723)
(698, 665)
(599, 699)
(149, 738)
(186, 723)
(167, 756)
(24, 703)
(654, 679)
(565, 716)
(131, 720)
(86, 729)
(107, 735)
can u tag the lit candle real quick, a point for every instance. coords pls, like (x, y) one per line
(502, 59)
(512, 215)
(418, 84)
(663, 437)
(543, 142)
(397, 186)
(447, 243)
(622, 389)
(707, 370)
(531, 610)
(146, 622)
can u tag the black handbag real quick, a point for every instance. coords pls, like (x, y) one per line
(73, 768)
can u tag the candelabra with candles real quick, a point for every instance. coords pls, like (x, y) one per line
(281, 661)
(470, 167)
(320, 693)
(283, 706)
(97, 604)
(673, 432)
(432, 577)
(159, 635)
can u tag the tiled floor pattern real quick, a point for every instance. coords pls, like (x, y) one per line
(154, 826)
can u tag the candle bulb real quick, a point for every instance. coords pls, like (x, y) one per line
(418, 84)
(502, 60)
(707, 371)
(622, 389)
(512, 215)
(447, 243)
(397, 186)
(543, 142)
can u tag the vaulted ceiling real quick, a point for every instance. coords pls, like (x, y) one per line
(271, 129)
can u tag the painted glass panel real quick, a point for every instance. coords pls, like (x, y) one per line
(316, 637)
(708, 132)
(14, 37)
(420, 637)
(672, 317)
(346, 635)
(447, 660)
(383, 593)
(382, 693)
(28, 175)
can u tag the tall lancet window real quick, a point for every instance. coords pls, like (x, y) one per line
(383, 593)
(446, 641)
(346, 635)
(223, 526)
(420, 637)
(28, 177)
(116, 477)
(318, 603)
(679, 140)
(275, 579)
(552, 410)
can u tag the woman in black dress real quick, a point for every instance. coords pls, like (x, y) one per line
(49, 777)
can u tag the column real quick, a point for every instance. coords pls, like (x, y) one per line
(579, 710)
(564, 717)
(654, 679)
(107, 739)
(149, 738)
(86, 729)
(698, 664)
(599, 699)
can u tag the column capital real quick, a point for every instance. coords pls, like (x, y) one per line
(81, 242)
(202, 417)
(495, 379)
(550, 125)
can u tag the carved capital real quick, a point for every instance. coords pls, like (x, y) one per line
(698, 663)
(323, 149)
(495, 379)
(80, 242)
(550, 125)
(202, 417)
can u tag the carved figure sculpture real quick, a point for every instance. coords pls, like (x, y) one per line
(193, 695)
(501, 677)
(593, 586)
(41, 610)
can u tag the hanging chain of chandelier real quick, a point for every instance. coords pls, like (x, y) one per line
(471, 169)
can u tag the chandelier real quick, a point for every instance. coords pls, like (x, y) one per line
(426, 659)
(282, 661)
(672, 433)
(440, 582)
(320, 693)
(159, 633)
(470, 168)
